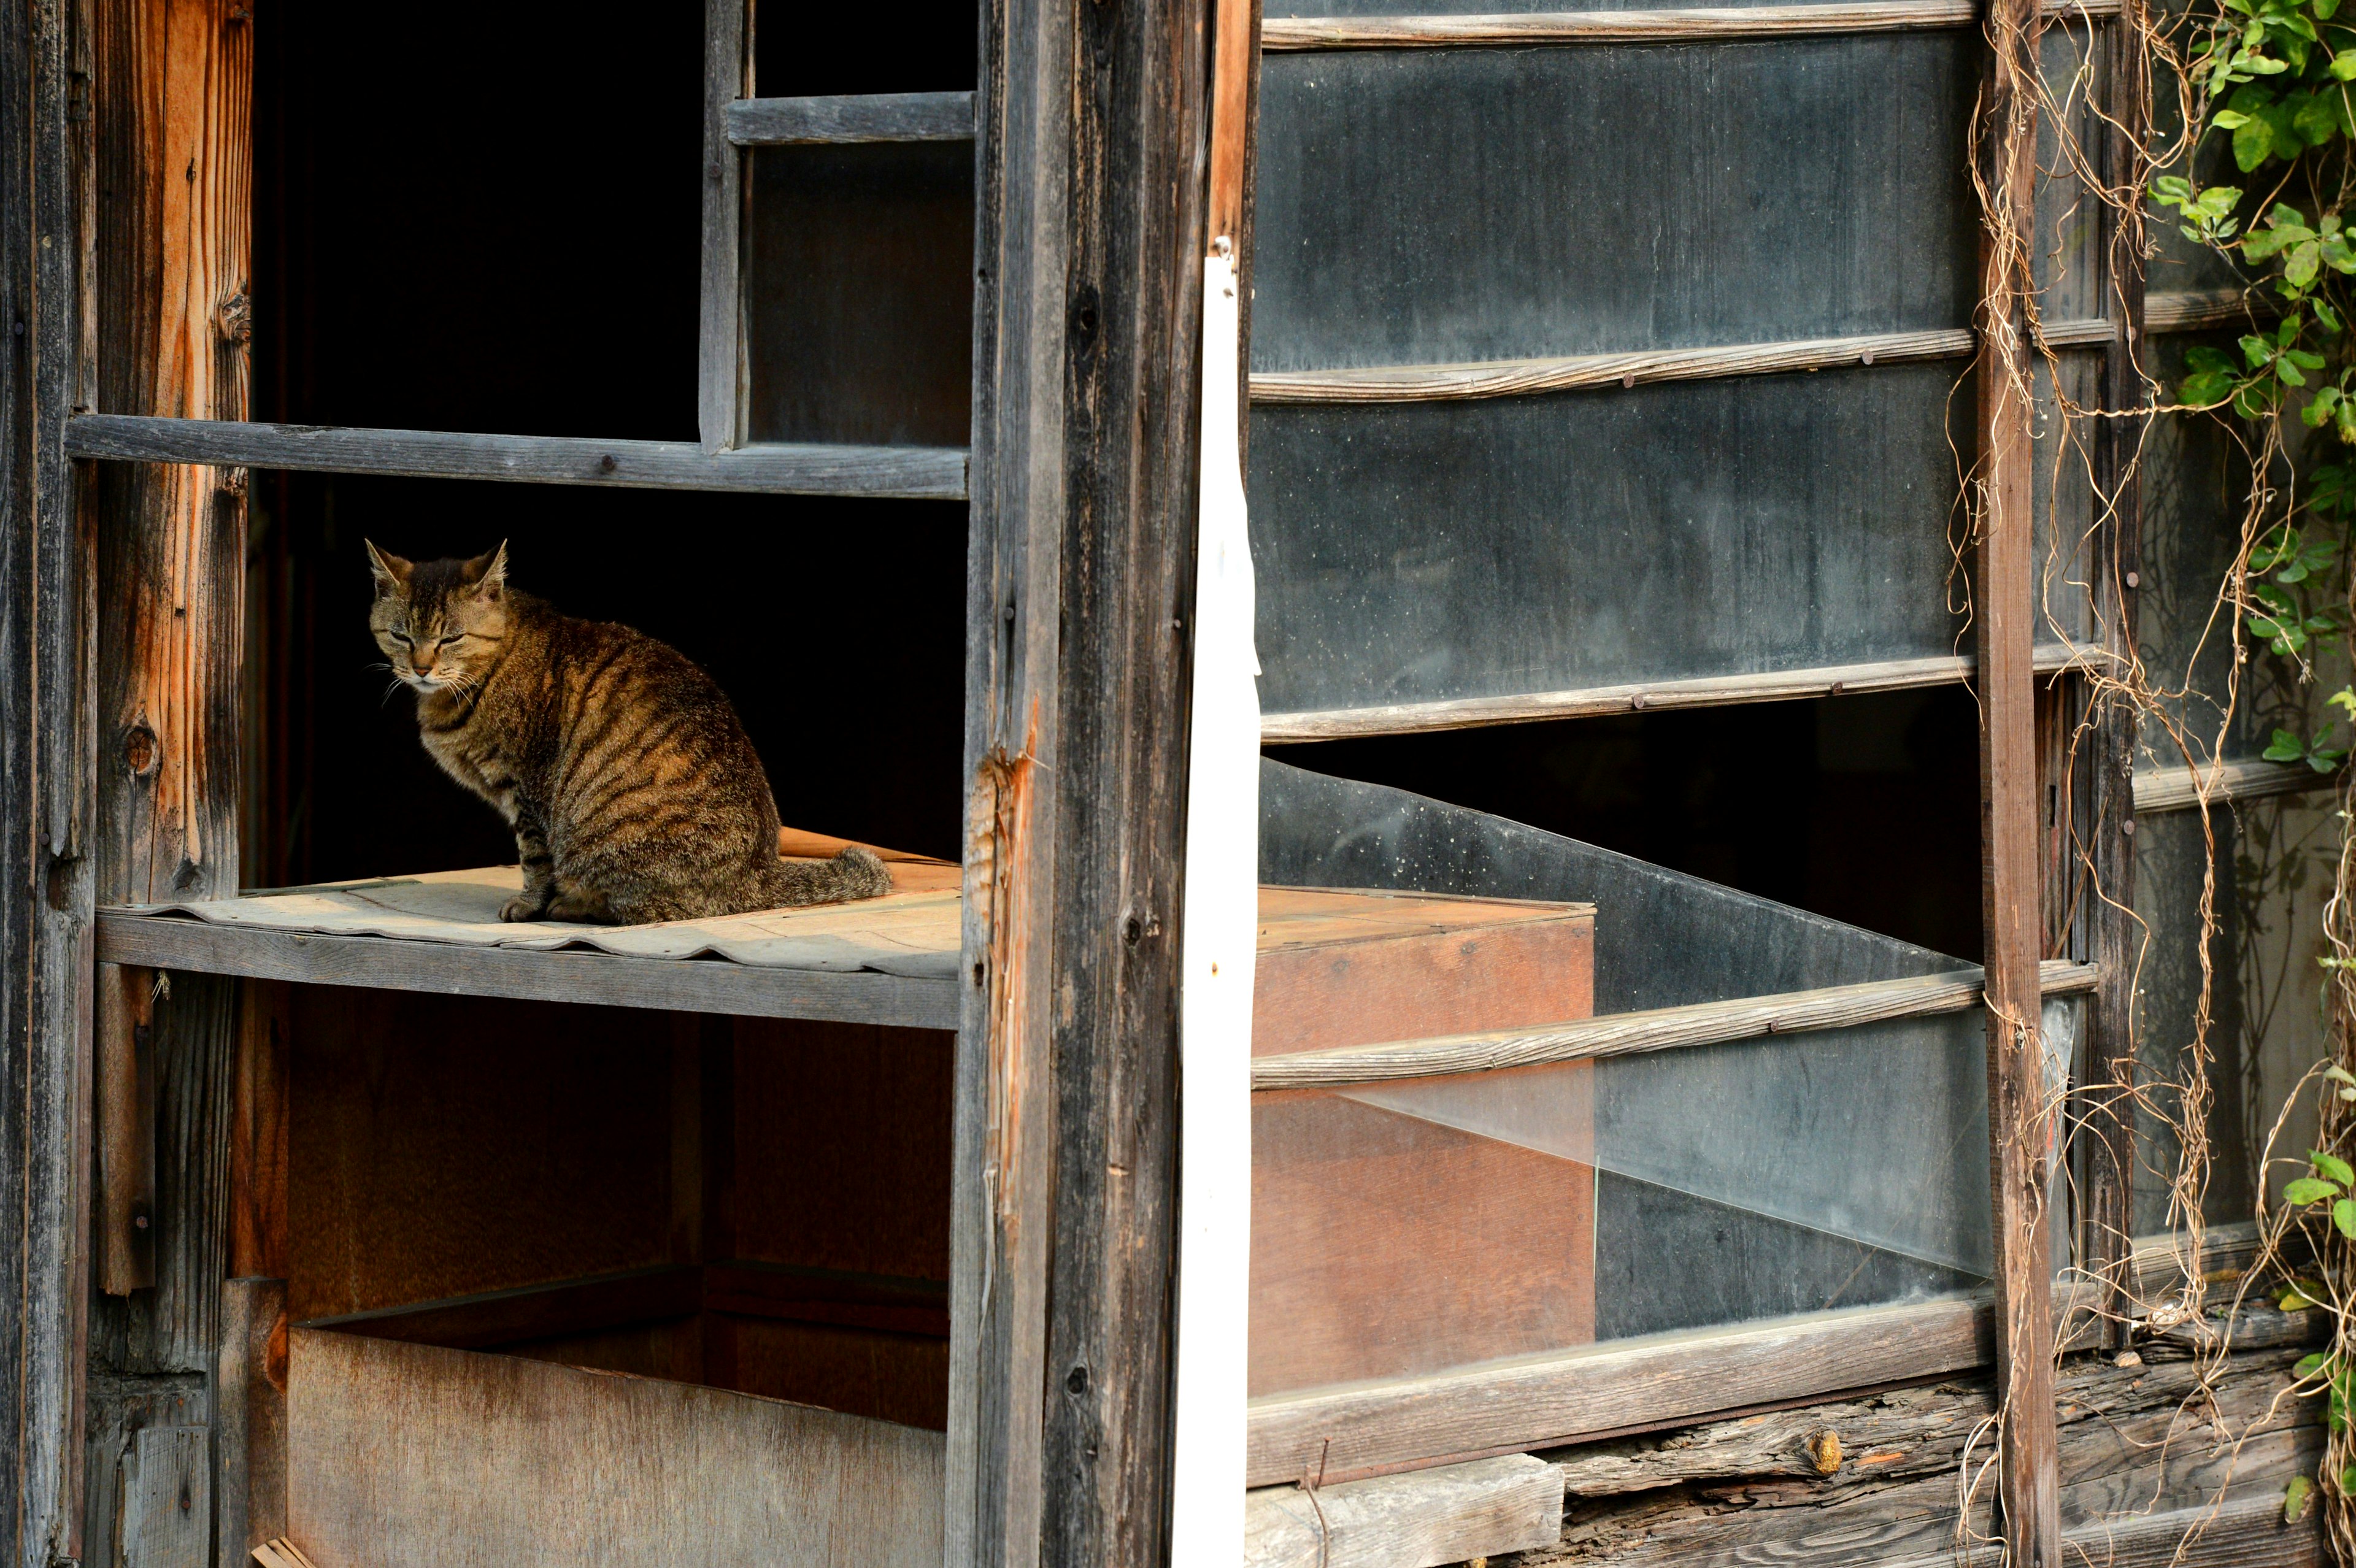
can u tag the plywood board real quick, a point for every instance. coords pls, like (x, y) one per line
(414, 1457)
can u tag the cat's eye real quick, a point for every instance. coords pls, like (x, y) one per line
(400, 638)
(452, 638)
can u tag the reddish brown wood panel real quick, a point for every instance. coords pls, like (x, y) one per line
(258, 1123)
(1350, 968)
(860, 1371)
(446, 1146)
(1384, 1244)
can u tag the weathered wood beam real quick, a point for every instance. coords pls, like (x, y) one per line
(2002, 501)
(1453, 1514)
(2177, 789)
(863, 117)
(925, 472)
(720, 355)
(446, 969)
(1662, 1029)
(1704, 691)
(1699, 24)
(46, 882)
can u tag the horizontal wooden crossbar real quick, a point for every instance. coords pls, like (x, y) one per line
(381, 962)
(1578, 372)
(866, 117)
(2178, 788)
(934, 472)
(1704, 691)
(1685, 25)
(1756, 1019)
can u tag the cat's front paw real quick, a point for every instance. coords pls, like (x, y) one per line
(523, 906)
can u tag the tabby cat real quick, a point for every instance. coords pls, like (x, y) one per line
(633, 791)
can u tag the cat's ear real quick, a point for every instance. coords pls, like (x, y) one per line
(392, 573)
(488, 574)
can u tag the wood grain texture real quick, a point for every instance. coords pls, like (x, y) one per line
(770, 468)
(168, 1512)
(126, 1128)
(409, 1455)
(257, 1127)
(719, 353)
(47, 791)
(1707, 691)
(2177, 789)
(2003, 502)
(250, 1416)
(1529, 1404)
(1512, 1503)
(2198, 310)
(863, 117)
(601, 977)
(120, 1409)
(1694, 24)
(1663, 1029)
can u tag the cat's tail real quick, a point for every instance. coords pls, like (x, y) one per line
(855, 873)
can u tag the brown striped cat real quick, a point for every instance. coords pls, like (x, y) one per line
(633, 791)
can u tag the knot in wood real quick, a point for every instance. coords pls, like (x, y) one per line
(233, 318)
(1824, 1451)
(139, 750)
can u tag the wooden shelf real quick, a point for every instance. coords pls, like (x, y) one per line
(697, 985)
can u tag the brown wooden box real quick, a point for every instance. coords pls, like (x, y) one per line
(1387, 1242)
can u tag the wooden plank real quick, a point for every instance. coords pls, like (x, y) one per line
(1536, 1402)
(47, 871)
(2175, 789)
(2200, 310)
(1699, 24)
(1707, 691)
(863, 117)
(250, 1415)
(2020, 1119)
(719, 354)
(935, 472)
(126, 1128)
(1512, 1503)
(412, 1455)
(167, 1514)
(2106, 1069)
(447, 969)
(492, 1317)
(1663, 1029)
(1004, 1110)
(120, 1409)
(258, 1124)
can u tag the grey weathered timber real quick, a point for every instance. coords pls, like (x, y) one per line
(1531, 1402)
(1682, 25)
(1714, 691)
(168, 1502)
(1664, 1028)
(406, 1453)
(1452, 1514)
(250, 1416)
(384, 963)
(2175, 789)
(2198, 310)
(1091, 141)
(2105, 1070)
(862, 117)
(1001, 1196)
(2012, 881)
(1525, 377)
(47, 885)
(720, 357)
(121, 1408)
(774, 468)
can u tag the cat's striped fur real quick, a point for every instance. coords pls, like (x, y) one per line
(633, 791)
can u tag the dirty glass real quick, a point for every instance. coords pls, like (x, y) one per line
(1541, 1209)
(859, 293)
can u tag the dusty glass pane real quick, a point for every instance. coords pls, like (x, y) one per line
(859, 293)
(1425, 206)
(1409, 552)
(1538, 1209)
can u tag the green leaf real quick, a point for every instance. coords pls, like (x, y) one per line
(2295, 1498)
(2286, 748)
(2343, 1214)
(2310, 1190)
(2253, 144)
(2227, 120)
(2327, 318)
(2343, 64)
(2335, 1073)
(2295, 1299)
(2311, 1364)
(2332, 1166)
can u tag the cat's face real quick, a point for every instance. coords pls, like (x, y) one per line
(440, 623)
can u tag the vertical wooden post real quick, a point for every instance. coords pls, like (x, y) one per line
(727, 76)
(126, 1128)
(46, 797)
(2105, 1241)
(1092, 153)
(2004, 613)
